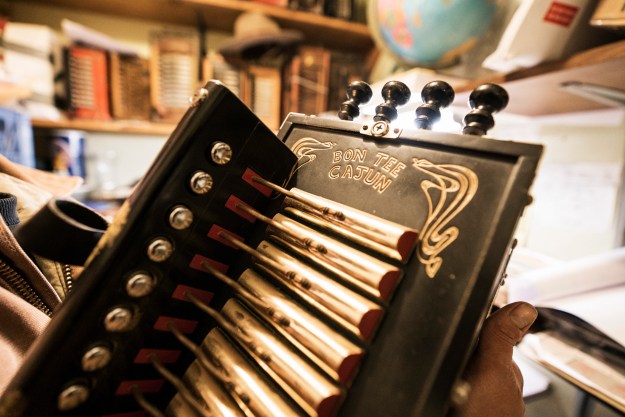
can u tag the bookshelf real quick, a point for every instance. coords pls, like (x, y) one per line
(113, 126)
(219, 15)
(535, 91)
(538, 91)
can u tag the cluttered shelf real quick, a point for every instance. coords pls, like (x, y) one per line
(134, 127)
(221, 14)
(589, 80)
(536, 91)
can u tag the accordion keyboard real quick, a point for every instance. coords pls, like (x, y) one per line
(341, 268)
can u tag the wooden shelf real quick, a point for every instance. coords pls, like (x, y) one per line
(221, 14)
(114, 126)
(538, 91)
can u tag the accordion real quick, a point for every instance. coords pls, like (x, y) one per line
(340, 268)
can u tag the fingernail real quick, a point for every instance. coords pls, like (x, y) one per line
(523, 315)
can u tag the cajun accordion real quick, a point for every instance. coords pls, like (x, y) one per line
(342, 268)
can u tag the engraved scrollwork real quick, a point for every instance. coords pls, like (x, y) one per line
(305, 149)
(456, 186)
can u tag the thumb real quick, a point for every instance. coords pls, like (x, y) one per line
(505, 328)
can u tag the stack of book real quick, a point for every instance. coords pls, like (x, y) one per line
(30, 55)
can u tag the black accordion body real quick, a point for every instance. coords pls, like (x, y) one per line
(335, 270)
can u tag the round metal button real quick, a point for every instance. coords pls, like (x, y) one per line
(199, 96)
(160, 249)
(201, 182)
(140, 284)
(180, 217)
(119, 319)
(221, 153)
(72, 396)
(96, 358)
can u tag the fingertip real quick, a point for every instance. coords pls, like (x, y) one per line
(523, 315)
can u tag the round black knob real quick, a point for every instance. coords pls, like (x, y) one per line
(394, 93)
(485, 100)
(435, 95)
(358, 92)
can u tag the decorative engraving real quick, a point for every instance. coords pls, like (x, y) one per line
(455, 185)
(305, 149)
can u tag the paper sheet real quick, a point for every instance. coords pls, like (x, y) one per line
(568, 278)
(82, 34)
(577, 366)
(604, 309)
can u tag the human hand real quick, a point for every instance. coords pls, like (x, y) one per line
(495, 380)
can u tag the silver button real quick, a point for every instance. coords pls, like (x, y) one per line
(72, 396)
(140, 284)
(201, 182)
(180, 217)
(160, 249)
(199, 96)
(119, 319)
(221, 153)
(96, 358)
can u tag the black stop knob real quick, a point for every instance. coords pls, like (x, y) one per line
(358, 93)
(485, 100)
(435, 95)
(394, 93)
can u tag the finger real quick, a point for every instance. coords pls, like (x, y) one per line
(504, 329)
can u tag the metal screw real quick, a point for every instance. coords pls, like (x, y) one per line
(72, 396)
(119, 319)
(180, 217)
(380, 128)
(221, 153)
(96, 358)
(199, 96)
(201, 182)
(460, 393)
(140, 284)
(160, 249)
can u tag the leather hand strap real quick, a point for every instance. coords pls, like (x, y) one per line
(63, 230)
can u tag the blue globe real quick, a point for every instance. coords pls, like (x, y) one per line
(429, 33)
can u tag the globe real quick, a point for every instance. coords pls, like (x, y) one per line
(429, 33)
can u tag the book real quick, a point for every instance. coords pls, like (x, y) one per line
(310, 6)
(308, 78)
(341, 9)
(579, 333)
(345, 68)
(263, 94)
(16, 137)
(583, 299)
(31, 57)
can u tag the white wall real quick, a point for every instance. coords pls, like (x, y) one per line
(120, 159)
(576, 191)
